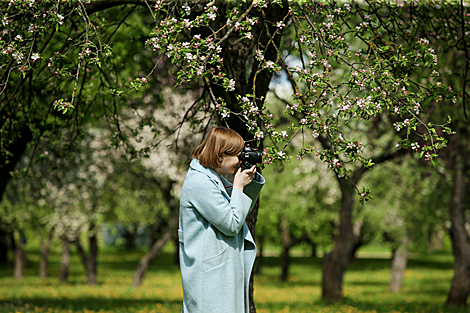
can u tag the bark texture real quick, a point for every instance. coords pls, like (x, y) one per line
(460, 287)
(398, 265)
(286, 245)
(154, 252)
(90, 260)
(173, 205)
(65, 260)
(336, 262)
(4, 245)
(346, 242)
(20, 257)
(45, 245)
(8, 164)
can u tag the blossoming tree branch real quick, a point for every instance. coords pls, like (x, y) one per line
(346, 69)
(375, 71)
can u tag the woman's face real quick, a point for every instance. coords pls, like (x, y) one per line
(228, 164)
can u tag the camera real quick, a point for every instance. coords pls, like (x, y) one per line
(250, 157)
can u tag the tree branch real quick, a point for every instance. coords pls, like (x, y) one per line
(100, 5)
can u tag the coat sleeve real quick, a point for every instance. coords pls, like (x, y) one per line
(252, 190)
(227, 216)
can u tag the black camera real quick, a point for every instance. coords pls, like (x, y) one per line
(250, 157)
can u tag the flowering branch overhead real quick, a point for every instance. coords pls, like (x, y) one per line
(346, 63)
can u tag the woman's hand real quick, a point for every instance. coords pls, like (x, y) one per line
(243, 178)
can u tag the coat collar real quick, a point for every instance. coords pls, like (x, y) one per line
(210, 172)
(195, 165)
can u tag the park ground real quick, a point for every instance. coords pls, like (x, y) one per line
(425, 287)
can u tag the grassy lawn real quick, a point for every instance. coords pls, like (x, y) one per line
(425, 287)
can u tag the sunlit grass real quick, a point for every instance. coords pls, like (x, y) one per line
(427, 281)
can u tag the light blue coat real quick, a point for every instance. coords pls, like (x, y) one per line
(217, 251)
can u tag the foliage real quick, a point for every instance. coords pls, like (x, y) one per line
(133, 198)
(59, 70)
(303, 195)
(409, 203)
(376, 77)
(350, 67)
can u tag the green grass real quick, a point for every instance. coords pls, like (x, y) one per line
(425, 287)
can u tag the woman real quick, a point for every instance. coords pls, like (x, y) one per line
(217, 250)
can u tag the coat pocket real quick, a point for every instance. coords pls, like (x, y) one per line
(217, 293)
(215, 261)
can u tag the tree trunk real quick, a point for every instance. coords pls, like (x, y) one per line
(430, 240)
(398, 266)
(16, 149)
(313, 253)
(44, 253)
(251, 222)
(259, 259)
(336, 262)
(89, 261)
(439, 240)
(286, 245)
(20, 257)
(129, 238)
(156, 230)
(4, 244)
(166, 187)
(93, 258)
(460, 287)
(358, 239)
(65, 260)
(147, 259)
(176, 255)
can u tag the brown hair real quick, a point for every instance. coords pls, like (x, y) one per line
(220, 141)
